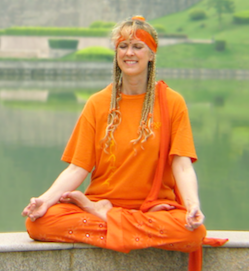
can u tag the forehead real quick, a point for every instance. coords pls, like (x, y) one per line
(132, 41)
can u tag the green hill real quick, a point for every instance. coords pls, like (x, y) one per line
(236, 36)
(209, 27)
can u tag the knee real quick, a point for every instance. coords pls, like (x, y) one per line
(35, 229)
(39, 228)
(200, 233)
(196, 236)
(56, 220)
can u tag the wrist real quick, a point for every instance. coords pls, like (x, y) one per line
(190, 204)
(47, 201)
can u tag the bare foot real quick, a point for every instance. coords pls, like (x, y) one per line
(161, 207)
(99, 208)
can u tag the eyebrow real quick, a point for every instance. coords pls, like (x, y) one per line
(128, 42)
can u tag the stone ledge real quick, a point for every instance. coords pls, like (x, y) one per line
(22, 253)
(20, 241)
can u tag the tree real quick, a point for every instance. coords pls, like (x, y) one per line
(221, 7)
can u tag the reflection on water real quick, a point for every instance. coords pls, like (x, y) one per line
(39, 128)
(32, 139)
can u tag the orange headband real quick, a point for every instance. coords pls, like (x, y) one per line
(142, 35)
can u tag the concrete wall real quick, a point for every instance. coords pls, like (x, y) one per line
(82, 12)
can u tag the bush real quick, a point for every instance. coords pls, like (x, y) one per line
(220, 45)
(159, 28)
(101, 24)
(62, 96)
(63, 44)
(57, 31)
(197, 14)
(95, 53)
(241, 17)
(179, 29)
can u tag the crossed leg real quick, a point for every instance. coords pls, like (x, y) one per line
(115, 228)
(99, 208)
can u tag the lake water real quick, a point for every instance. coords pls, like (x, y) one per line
(34, 134)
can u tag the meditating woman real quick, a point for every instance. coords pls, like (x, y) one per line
(136, 137)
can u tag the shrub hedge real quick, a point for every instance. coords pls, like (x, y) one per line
(174, 36)
(95, 53)
(101, 24)
(57, 31)
(63, 44)
(62, 96)
(159, 28)
(220, 45)
(197, 14)
(241, 17)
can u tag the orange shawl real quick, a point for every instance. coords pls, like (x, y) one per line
(195, 258)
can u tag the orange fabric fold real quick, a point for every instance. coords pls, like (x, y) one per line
(195, 258)
(214, 242)
(164, 149)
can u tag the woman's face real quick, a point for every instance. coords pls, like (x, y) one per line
(133, 57)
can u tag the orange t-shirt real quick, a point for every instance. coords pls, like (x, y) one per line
(125, 176)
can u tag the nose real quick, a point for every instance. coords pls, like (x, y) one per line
(130, 51)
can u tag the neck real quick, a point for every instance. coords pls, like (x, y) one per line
(133, 86)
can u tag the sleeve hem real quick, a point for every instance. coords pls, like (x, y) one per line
(76, 162)
(191, 155)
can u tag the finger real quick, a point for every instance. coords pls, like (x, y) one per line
(65, 195)
(65, 199)
(189, 220)
(30, 208)
(33, 205)
(24, 212)
(33, 201)
(32, 217)
(191, 216)
(27, 210)
(190, 228)
(198, 222)
(167, 207)
(195, 221)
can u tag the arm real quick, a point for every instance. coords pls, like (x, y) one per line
(68, 180)
(186, 181)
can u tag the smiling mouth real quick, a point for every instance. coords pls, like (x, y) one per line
(130, 61)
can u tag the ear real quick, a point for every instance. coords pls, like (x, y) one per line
(151, 57)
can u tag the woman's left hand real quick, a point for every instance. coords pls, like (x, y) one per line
(194, 218)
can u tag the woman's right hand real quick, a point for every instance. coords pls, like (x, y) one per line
(36, 208)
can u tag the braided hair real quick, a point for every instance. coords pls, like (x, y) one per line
(127, 30)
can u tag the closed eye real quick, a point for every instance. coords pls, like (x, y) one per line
(136, 46)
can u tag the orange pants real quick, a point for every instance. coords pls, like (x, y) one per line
(124, 230)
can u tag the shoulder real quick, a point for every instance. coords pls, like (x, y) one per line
(101, 96)
(99, 100)
(175, 101)
(174, 96)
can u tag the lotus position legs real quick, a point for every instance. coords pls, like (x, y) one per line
(99, 208)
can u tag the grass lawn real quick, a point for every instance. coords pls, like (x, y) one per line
(203, 56)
